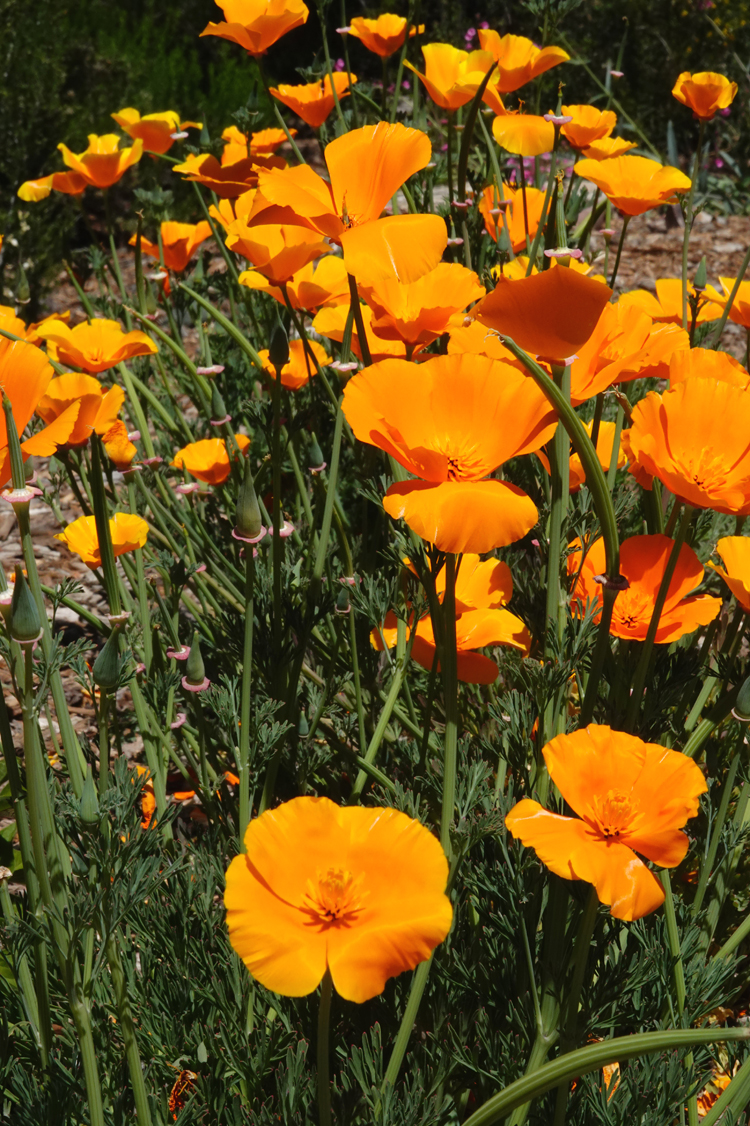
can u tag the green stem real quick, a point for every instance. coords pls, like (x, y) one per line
(243, 764)
(324, 1080)
(689, 220)
(580, 960)
(419, 981)
(545, 206)
(448, 660)
(730, 301)
(616, 267)
(399, 672)
(675, 949)
(710, 857)
(125, 1016)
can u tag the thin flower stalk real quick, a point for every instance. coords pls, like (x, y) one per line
(616, 267)
(580, 961)
(551, 182)
(557, 614)
(689, 226)
(675, 949)
(323, 1050)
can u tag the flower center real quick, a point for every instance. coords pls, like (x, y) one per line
(464, 459)
(334, 896)
(632, 608)
(707, 470)
(614, 812)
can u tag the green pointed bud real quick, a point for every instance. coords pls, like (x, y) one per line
(29, 468)
(18, 474)
(89, 807)
(195, 672)
(701, 275)
(25, 622)
(303, 727)
(343, 602)
(278, 349)
(315, 454)
(218, 406)
(742, 707)
(248, 522)
(106, 670)
(23, 293)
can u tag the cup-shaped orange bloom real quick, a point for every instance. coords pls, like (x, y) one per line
(118, 445)
(208, 460)
(228, 181)
(179, 243)
(514, 215)
(439, 419)
(95, 345)
(276, 251)
(667, 305)
(524, 134)
(696, 439)
(551, 314)
(311, 288)
(155, 130)
(383, 36)
(452, 77)
(518, 59)
(704, 93)
(589, 124)
(331, 322)
(421, 311)
(257, 24)
(631, 797)
(643, 561)
(707, 364)
(359, 892)
(240, 146)
(613, 352)
(98, 406)
(300, 368)
(634, 184)
(739, 311)
(225, 211)
(128, 532)
(608, 147)
(735, 554)
(314, 101)
(100, 166)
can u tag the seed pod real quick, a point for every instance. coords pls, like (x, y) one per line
(106, 670)
(25, 622)
(248, 521)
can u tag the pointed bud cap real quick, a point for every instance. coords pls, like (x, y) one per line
(741, 709)
(699, 282)
(106, 670)
(303, 727)
(89, 807)
(278, 348)
(25, 622)
(343, 602)
(218, 406)
(195, 672)
(249, 524)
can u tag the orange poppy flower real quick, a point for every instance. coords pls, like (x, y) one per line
(479, 340)
(331, 322)
(226, 180)
(667, 305)
(257, 24)
(439, 420)
(208, 459)
(452, 77)
(608, 147)
(276, 251)
(100, 166)
(383, 36)
(612, 353)
(589, 124)
(518, 59)
(98, 406)
(634, 184)
(735, 554)
(704, 93)
(707, 364)
(643, 561)
(523, 134)
(314, 286)
(298, 371)
(630, 797)
(739, 311)
(314, 101)
(118, 445)
(664, 341)
(95, 345)
(420, 312)
(179, 243)
(238, 146)
(359, 892)
(551, 314)
(604, 446)
(11, 323)
(156, 130)
(227, 210)
(514, 215)
(128, 532)
(720, 1080)
(683, 438)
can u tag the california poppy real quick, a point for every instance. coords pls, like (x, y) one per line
(179, 243)
(630, 796)
(606, 148)
(331, 322)
(643, 562)
(311, 287)
(589, 124)
(634, 184)
(225, 211)
(452, 77)
(299, 368)
(613, 351)
(735, 555)
(704, 93)
(383, 36)
(277, 251)
(240, 146)
(476, 339)
(358, 892)
(314, 101)
(208, 460)
(156, 130)
(420, 312)
(438, 419)
(128, 532)
(707, 364)
(98, 405)
(257, 24)
(604, 446)
(118, 446)
(739, 311)
(514, 217)
(524, 134)
(226, 180)
(518, 59)
(100, 166)
(95, 345)
(667, 305)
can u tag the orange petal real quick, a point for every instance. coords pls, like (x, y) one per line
(460, 516)
(368, 165)
(524, 134)
(553, 838)
(402, 246)
(620, 878)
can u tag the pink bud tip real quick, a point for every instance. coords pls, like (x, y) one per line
(455, 242)
(180, 654)
(617, 73)
(200, 569)
(349, 580)
(150, 462)
(285, 530)
(343, 30)
(318, 468)
(181, 718)
(140, 667)
(337, 365)
(461, 204)
(158, 275)
(215, 369)
(134, 436)
(563, 252)
(558, 119)
(178, 136)
(205, 683)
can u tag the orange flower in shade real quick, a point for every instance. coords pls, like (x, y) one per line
(383, 36)
(667, 305)
(227, 210)
(608, 147)
(257, 24)
(312, 287)
(359, 892)
(95, 345)
(720, 1080)
(98, 406)
(238, 146)
(155, 130)
(613, 352)
(739, 311)
(298, 371)
(523, 134)
(314, 101)
(478, 340)
(643, 561)
(118, 445)
(421, 311)
(276, 251)
(452, 77)
(100, 166)
(226, 180)
(634, 184)
(735, 554)
(589, 124)
(686, 439)
(179, 243)
(127, 530)
(707, 364)
(439, 420)
(331, 322)
(604, 444)
(518, 59)
(704, 93)
(514, 215)
(630, 797)
(551, 314)
(208, 460)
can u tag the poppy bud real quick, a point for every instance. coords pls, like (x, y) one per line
(248, 523)
(278, 348)
(195, 672)
(742, 707)
(25, 623)
(23, 293)
(699, 282)
(218, 406)
(303, 727)
(89, 807)
(106, 670)
(343, 603)
(316, 461)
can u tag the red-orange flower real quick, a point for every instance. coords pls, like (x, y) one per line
(383, 36)
(208, 460)
(634, 184)
(314, 101)
(439, 420)
(257, 24)
(604, 446)
(155, 130)
(100, 166)
(735, 554)
(643, 561)
(359, 892)
(518, 59)
(179, 243)
(228, 181)
(94, 345)
(452, 77)
(299, 368)
(276, 251)
(630, 797)
(513, 218)
(704, 93)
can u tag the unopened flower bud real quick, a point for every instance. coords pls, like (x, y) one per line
(89, 807)
(278, 348)
(699, 282)
(106, 670)
(25, 622)
(195, 679)
(741, 710)
(248, 522)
